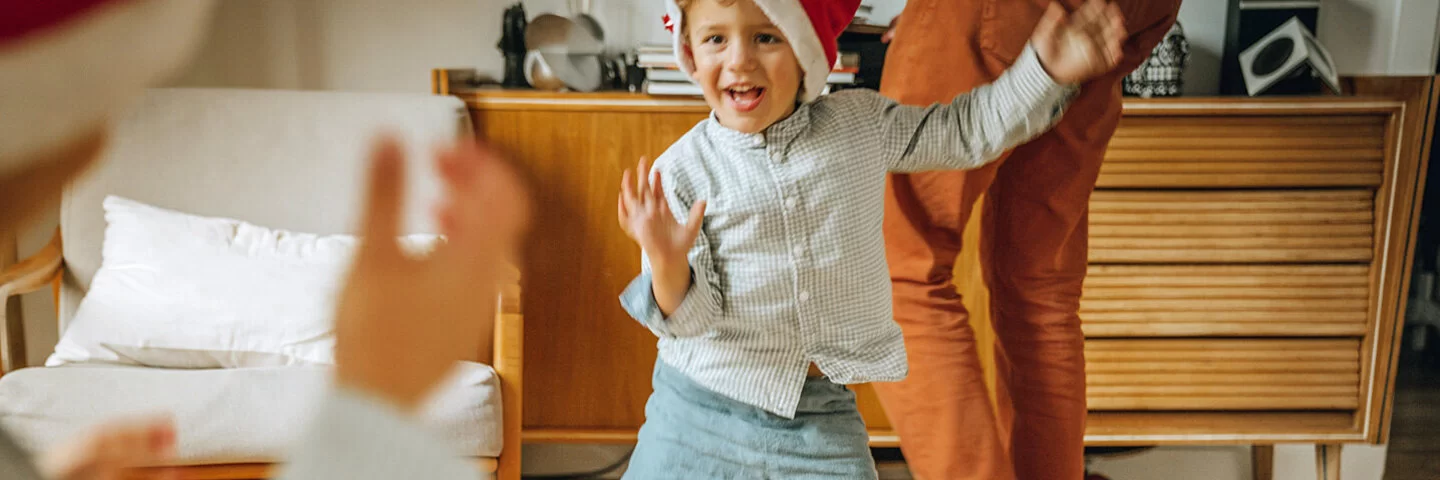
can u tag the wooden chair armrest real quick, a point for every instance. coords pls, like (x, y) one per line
(33, 273)
(508, 356)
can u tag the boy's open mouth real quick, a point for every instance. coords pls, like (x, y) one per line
(745, 98)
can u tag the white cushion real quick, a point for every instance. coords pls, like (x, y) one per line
(177, 290)
(225, 415)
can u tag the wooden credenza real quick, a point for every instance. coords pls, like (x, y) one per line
(1249, 260)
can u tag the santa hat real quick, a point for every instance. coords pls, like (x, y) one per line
(68, 66)
(812, 27)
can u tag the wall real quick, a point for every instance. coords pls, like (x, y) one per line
(1395, 37)
(383, 45)
(379, 45)
(1204, 25)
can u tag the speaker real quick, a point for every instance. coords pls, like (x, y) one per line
(1247, 22)
(1289, 53)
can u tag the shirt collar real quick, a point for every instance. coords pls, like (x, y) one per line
(781, 132)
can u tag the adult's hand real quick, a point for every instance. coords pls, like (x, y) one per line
(890, 33)
(106, 451)
(402, 322)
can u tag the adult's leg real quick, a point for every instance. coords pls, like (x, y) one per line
(1034, 252)
(942, 411)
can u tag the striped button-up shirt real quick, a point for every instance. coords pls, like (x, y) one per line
(789, 267)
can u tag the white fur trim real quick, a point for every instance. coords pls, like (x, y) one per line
(790, 17)
(67, 81)
(677, 38)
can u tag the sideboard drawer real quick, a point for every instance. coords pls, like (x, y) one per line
(1245, 151)
(1269, 226)
(1213, 374)
(1226, 300)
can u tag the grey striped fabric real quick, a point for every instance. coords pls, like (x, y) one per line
(790, 265)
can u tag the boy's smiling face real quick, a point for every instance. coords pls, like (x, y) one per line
(745, 66)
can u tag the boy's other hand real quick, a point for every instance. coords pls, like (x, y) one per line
(1082, 45)
(646, 217)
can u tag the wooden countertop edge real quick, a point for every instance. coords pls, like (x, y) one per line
(486, 99)
(885, 438)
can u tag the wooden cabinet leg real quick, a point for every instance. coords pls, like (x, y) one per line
(1262, 462)
(1327, 461)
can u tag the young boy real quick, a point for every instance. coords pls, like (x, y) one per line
(774, 293)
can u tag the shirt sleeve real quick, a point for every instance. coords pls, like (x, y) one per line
(975, 128)
(355, 437)
(702, 303)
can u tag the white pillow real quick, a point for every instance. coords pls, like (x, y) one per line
(182, 291)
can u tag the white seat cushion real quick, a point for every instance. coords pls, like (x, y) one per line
(225, 415)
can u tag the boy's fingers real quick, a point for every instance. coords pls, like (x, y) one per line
(1118, 33)
(1092, 20)
(642, 177)
(1117, 17)
(627, 191)
(1054, 17)
(1103, 54)
(1114, 25)
(382, 202)
(622, 213)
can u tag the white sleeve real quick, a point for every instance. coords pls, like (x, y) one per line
(356, 437)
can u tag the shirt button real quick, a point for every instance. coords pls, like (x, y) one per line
(790, 203)
(804, 296)
(799, 250)
(777, 157)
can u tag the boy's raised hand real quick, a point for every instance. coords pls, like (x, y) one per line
(1082, 45)
(646, 217)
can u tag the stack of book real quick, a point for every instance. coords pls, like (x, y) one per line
(862, 16)
(663, 75)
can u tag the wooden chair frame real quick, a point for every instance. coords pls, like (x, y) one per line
(47, 268)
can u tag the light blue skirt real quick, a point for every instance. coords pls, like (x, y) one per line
(691, 432)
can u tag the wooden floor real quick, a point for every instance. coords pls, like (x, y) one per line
(1414, 452)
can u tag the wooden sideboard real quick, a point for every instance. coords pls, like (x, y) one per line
(1249, 259)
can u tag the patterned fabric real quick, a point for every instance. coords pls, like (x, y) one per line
(1161, 74)
(790, 265)
(695, 434)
